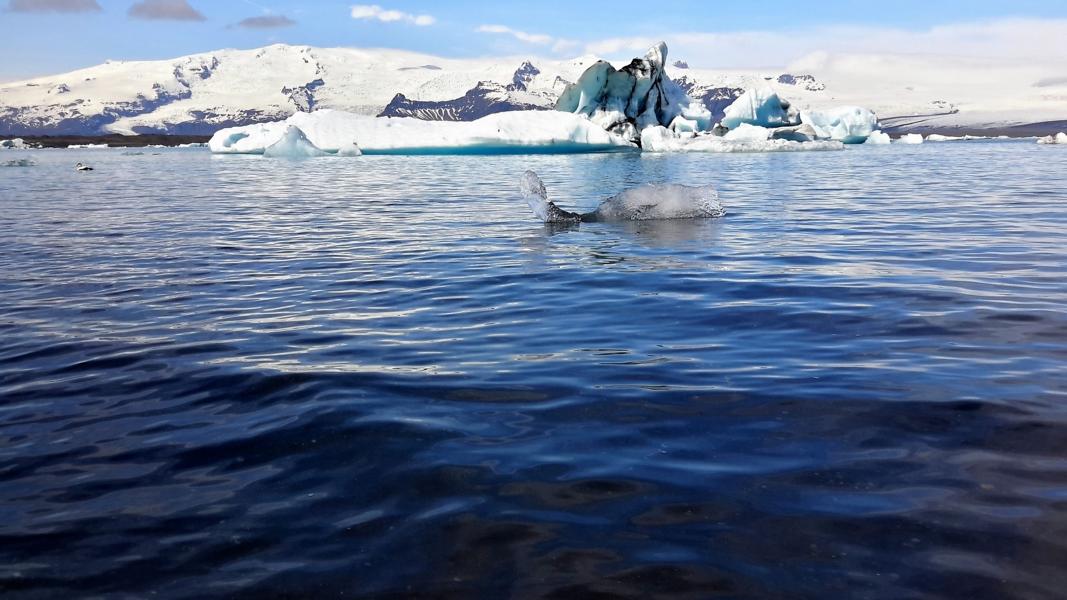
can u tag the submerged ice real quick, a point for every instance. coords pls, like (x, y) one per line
(643, 203)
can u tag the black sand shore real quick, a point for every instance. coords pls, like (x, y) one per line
(115, 141)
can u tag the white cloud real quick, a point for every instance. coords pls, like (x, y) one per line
(1017, 39)
(530, 38)
(373, 12)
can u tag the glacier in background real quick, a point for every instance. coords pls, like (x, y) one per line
(606, 109)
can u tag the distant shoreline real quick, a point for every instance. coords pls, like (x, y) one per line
(113, 141)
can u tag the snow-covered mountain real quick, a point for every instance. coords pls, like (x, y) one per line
(202, 93)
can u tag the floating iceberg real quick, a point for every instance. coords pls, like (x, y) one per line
(518, 132)
(87, 146)
(631, 99)
(760, 107)
(1059, 138)
(644, 203)
(352, 149)
(15, 144)
(661, 139)
(748, 133)
(848, 124)
(878, 138)
(911, 138)
(294, 144)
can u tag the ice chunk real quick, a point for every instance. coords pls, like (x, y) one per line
(15, 144)
(293, 144)
(87, 146)
(1059, 138)
(644, 203)
(634, 98)
(796, 133)
(848, 124)
(877, 138)
(911, 138)
(661, 139)
(350, 150)
(760, 107)
(517, 132)
(748, 133)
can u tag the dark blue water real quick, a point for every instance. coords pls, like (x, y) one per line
(381, 378)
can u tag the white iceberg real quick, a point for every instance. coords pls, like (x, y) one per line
(629, 100)
(878, 138)
(913, 139)
(661, 139)
(1059, 138)
(644, 203)
(518, 132)
(352, 149)
(848, 124)
(748, 133)
(87, 146)
(15, 144)
(760, 107)
(294, 144)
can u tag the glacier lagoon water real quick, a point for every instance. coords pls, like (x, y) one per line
(382, 377)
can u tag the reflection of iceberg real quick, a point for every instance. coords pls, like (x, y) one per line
(294, 144)
(643, 203)
(502, 133)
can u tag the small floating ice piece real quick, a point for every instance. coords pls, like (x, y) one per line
(1059, 138)
(911, 138)
(350, 150)
(878, 138)
(294, 144)
(848, 124)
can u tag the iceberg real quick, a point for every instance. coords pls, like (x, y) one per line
(294, 144)
(629, 100)
(1059, 138)
(911, 138)
(87, 147)
(877, 138)
(15, 144)
(350, 150)
(517, 132)
(848, 124)
(748, 133)
(760, 107)
(644, 203)
(661, 139)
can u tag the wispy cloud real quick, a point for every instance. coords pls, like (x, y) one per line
(999, 39)
(530, 38)
(267, 22)
(59, 6)
(373, 12)
(540, 39)
(166, 10)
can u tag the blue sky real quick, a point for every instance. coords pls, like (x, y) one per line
(49, 36)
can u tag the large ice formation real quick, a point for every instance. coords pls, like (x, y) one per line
(1059, 138)
(661, 139)
(760, 107)
(878, 138)
(848, 124)
(644, 203)
(293, 144)
(16, 144)
(629, 100)
(510, 132)
(911, 138)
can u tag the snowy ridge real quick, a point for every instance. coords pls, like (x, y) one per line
(202, 93)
